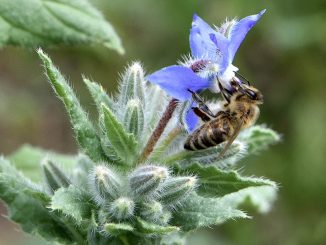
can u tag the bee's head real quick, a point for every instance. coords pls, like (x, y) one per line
(252, 93)
(246, 92)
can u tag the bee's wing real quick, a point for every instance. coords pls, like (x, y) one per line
(232, 138)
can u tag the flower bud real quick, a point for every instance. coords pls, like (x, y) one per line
(151, 211)
(122, 208)
(132, 84)
(145, 180)
(105, 184)
(165, 217)
(54, 176)
(175, 189)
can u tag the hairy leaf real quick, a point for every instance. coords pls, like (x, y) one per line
(72, 202)
(199, 211)
(28, 158)
(214, 182)
(261, 198)
(86, 134)
(37, 23)
(258, 138)
(113, 229)
(27, 205)
(99, 95)
(209, 156)
(154, 229)
(123, 143)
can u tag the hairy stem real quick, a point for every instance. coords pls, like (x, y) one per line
(158, 130)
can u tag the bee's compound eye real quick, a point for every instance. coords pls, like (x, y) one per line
(251, 94)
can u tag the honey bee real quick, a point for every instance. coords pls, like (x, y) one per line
(240, 111)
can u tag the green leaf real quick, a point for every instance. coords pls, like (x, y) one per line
(72, 202)
(113, 229)
(208, 156)
(86, 134)
(214, 182)
(154, 229)
(261, 198)
(99, 95)
(258, 138)
(27, 205)
(199, 211)
(28, 158)
(37, 23)
(123, 143)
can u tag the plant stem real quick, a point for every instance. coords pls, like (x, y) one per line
(158, 130)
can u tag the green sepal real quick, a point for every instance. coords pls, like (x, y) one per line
(214, 182)
(116, 229)
(28, 204)
(199, 211)
(99, 95)
(55, 178)
(28, 158)
(123, 143)
(134, 118)
(73, 202)
(49, 23)
(258, 138)
(147, 228)
(86, 135)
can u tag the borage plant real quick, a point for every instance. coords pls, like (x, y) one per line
(132, 182)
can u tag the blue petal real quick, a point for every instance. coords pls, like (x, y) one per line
(239, 32)
(191, 120)
(221, 50)
(200, 44)
(176, 80)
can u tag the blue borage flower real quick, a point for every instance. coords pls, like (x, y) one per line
(212, 54)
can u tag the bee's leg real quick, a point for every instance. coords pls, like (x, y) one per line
(201, 114)
(201, 104)
(226, 93)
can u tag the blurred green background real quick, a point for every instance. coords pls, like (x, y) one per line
(285, 57)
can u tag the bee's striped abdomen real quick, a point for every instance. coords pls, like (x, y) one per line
(210, 134)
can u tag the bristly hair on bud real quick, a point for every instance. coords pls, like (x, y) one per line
(176, 189)
(105, 184)
(145, 180)
(122, 208)
(151, 211)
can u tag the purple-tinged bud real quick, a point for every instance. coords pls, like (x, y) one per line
(146, 180)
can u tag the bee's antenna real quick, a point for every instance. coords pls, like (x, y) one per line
(245, 79)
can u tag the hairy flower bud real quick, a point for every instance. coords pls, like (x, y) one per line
(105, 184)
(54, 176)
(145, 180)
(122, 208)
(165, 217)
(175, 189)
(133, 84)
(151, 211)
